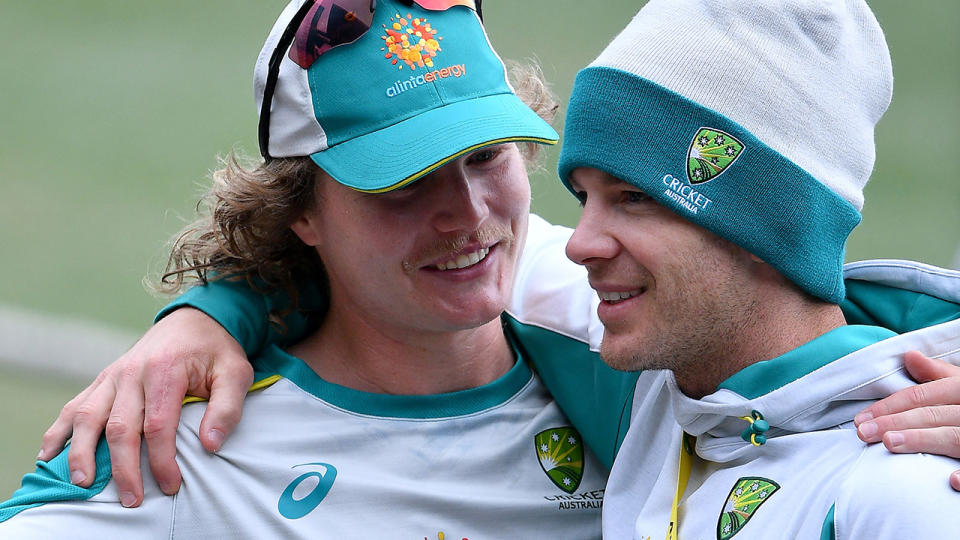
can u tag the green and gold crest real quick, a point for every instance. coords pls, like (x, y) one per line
(560, 452)
(746, 496)
(711, 152)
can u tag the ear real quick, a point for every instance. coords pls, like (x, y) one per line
(305, 227)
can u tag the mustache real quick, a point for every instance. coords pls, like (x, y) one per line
(445, 248)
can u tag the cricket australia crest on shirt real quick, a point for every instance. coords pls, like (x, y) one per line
(560, 452)
(711, 153)
(745, 498)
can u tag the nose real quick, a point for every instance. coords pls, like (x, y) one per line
(592, 241)
(463, 202)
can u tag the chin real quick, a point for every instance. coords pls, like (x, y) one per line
(460, 318)
(620, 356)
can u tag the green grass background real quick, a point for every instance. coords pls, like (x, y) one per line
(112, 112)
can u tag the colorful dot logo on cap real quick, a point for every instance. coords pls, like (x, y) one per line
(410, 41)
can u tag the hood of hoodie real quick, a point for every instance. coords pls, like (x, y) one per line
(820, 385)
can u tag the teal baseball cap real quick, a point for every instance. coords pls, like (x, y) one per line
(380, 93)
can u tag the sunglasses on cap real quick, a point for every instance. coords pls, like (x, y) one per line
(321, 25)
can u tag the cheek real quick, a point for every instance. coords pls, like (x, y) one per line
(512, 187)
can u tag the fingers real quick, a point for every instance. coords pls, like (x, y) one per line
(917, 421)
(942, 391)
(56, 436)
(923, 368)
(230, 382)
(955, 480)
(164, 390)
(123, 437)
(944, 441)
(89, 417)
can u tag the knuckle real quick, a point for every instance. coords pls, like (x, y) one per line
(80, 454)
(119, 431)
(935, 416)
(48, 438)
(68, 409)
(161, 362)
(86, 415)
(102, 376)
(154, 428)
(953, 441)
(916, 395)
(129, 370)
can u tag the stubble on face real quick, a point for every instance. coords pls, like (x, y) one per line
(694, 316)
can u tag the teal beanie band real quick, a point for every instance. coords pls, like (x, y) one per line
(710, 170)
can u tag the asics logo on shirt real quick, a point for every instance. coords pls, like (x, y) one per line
(294, 503)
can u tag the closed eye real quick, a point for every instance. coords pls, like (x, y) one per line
(484, 155)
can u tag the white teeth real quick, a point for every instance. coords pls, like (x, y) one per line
(464, 260)
(618, 296)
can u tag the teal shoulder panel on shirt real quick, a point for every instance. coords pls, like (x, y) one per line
(244, 311)
(899, 310)
(828, 532)
(50, 482)
(238, 308)
(595, 397)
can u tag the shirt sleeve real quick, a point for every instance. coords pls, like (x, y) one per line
(245, 312)
(47, 505)
(895, 496)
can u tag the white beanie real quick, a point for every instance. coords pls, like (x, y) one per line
(792, 88)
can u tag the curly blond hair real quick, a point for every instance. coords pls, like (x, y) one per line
(243, 231)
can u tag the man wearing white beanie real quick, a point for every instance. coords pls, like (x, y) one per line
(720, 150)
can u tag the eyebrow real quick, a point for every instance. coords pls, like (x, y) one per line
(607, 179)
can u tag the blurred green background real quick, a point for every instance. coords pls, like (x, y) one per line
(112, 113)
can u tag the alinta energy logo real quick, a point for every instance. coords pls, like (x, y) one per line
(743, 501)
(413, 42)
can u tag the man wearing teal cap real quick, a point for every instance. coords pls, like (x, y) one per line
(718, 197)
(412, 410)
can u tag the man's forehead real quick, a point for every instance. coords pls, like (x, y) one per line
(589, 174)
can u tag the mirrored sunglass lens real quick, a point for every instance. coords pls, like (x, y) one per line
(330, 23)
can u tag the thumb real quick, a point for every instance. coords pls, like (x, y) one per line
(229, 383)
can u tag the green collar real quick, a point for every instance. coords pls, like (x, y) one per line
(473, 400)
(764, 377)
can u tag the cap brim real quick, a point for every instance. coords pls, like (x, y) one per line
(397, 155)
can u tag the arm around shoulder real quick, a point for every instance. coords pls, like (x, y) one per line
(897, 496)
(47, 505)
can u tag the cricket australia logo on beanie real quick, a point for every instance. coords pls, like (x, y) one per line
(711, 152)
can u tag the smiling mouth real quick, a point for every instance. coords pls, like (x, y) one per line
(464, 260)
(615, 297)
